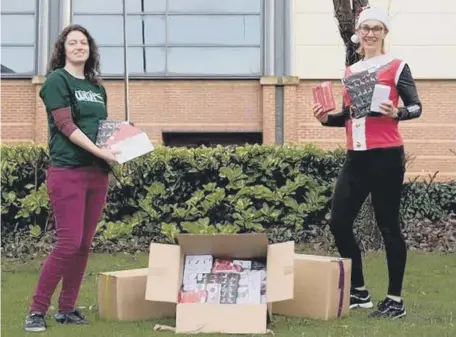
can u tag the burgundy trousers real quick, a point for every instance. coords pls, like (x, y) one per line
(77, 197)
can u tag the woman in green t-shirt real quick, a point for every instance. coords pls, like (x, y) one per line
(77, 179)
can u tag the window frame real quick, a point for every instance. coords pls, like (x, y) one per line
(166, 45)
(35, 45)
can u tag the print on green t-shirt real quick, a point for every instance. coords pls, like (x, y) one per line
(88, 103)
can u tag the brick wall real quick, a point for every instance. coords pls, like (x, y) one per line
(163, 106)
(18, 109)
(217, 106)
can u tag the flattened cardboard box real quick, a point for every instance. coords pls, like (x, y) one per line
(322, 288)
(166, 272)
(121, 297)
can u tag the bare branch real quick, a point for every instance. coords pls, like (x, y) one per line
(346, 17)
(358, 4)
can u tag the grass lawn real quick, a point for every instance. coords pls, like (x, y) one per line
(430, 293)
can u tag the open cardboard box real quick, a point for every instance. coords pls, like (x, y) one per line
(164, 281)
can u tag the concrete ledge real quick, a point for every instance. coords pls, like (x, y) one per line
(38, 79)
(279, 80)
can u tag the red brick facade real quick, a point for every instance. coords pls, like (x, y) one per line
(218, 106)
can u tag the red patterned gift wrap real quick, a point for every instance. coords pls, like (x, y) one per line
(323, 95)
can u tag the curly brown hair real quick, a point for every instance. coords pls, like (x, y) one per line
(92, 65)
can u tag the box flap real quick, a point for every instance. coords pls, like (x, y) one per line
(126, 273)
(280, 274)
(318, 258)
(225, 245)
(163, 278)
(221, 318)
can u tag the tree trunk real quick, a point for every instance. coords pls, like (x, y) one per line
(346, 16)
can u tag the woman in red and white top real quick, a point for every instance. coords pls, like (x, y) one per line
(375, 161)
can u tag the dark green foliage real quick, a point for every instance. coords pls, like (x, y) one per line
(285, 191)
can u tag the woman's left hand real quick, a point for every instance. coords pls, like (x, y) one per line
(387, 108)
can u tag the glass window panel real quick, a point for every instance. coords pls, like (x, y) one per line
(26, 33)
(154, 5)
(204, 32)
(109, 29)
(155, 29)
(18, 5)
(18, 60)
(207, 29)
(155, 59)
(214, 60)
(215, 6)
(112, 60)
(105, 6)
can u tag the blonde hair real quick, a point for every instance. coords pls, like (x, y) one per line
(360, 50)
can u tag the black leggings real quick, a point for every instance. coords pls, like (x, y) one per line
(379, 172)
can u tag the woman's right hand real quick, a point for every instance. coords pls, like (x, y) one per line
(318, 113)
(108, 155)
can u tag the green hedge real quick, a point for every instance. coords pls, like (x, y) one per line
(283, 190)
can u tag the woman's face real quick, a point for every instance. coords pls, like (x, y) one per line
(371, 34)
(76, 47)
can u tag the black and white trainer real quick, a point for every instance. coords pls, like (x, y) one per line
(73, 317)
(389, 308)
(35, 322)
(360, 299)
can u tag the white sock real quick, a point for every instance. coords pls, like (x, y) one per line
(395, 298)
(360, 288)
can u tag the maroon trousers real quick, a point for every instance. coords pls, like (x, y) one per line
(77, 197)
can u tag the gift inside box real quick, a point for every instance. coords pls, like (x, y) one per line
(220, 301)
(222, 280)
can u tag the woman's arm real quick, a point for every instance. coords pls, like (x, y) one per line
(407, 92)
(338, 119)
(56, 98)
(65, 124)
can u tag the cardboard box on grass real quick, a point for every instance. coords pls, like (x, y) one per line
(166, 264)
(121, 296)
(322, 288)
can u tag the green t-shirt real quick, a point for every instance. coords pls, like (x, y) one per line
(88, 103)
